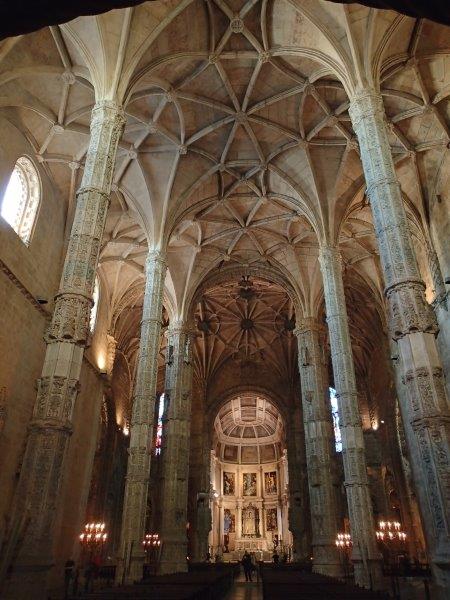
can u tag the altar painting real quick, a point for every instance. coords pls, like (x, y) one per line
(271, 519)
(249, 484)
(270, 482)
(229, 521)
(229, 487)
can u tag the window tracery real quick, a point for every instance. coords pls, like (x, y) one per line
(21, 200)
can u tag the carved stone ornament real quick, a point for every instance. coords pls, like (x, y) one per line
(408, 309)
(51, 426)
(141, 426)
(319, 447)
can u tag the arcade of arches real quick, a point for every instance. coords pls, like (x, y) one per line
(223, 267)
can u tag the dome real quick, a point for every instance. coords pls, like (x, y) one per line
(249, 429)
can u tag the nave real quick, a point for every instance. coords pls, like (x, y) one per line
(224, 281)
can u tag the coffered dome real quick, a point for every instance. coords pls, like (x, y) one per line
(249, 428)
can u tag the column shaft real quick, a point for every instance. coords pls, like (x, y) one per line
(66, 338)
(199, 492)
(413, 328)
(175, 450)
(141, 429)
(365, 554)
(319, 448)
(297, 489)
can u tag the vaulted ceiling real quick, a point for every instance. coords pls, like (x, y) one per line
(238, 150)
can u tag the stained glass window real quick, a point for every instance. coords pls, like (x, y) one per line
(336, 427)
(159, 426)
(21, 199)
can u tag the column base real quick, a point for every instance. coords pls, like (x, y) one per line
(173, 557)
(128, 574)
(326, 560)
(368, 574)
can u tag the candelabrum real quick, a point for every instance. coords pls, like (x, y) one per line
(344, 541)
(391, 541)
(151, 541)
(94, 535)
(390, 531)
(344, 545)
(152, 547)
(93, 538)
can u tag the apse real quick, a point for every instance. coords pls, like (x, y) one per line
(250, 480)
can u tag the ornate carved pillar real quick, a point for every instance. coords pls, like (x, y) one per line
(441, 309)
(319, 448)
(413, 328)
(200, 487)
(365, 555)
(51, 424)
(142, 417)
(175, 449)
(298, 495)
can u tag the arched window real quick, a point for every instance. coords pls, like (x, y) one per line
(335, 413)
(159, 426)
(94, 309)
(21, 199)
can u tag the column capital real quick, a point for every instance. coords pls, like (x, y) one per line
(108, 109)
(329, 252)
(306, 324)
(366, 102)
(155, 256)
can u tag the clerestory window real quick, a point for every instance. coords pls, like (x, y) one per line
(94, 309)
(336, 425)
(21, 200)
(159, 426)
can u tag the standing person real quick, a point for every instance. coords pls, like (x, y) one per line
(69, 573)
(247, 564)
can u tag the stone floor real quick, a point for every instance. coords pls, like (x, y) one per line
(245, 590)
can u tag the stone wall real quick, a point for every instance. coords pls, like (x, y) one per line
(25, 273)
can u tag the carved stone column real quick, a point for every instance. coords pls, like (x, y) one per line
(319, 448)
(298, 494)
(441, 309)
(199, 504)
(51, 424)
(175, 449)
(413, 327)
(365, 555)
(142, 416)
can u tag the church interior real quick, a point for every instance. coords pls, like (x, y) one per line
(224, 281)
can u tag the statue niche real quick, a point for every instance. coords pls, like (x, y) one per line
(250, 521)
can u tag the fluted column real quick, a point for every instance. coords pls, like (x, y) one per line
(365, 555)
(142, 416)
(319, 448)
(414, 328)
(175, 449)
(51, 424)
